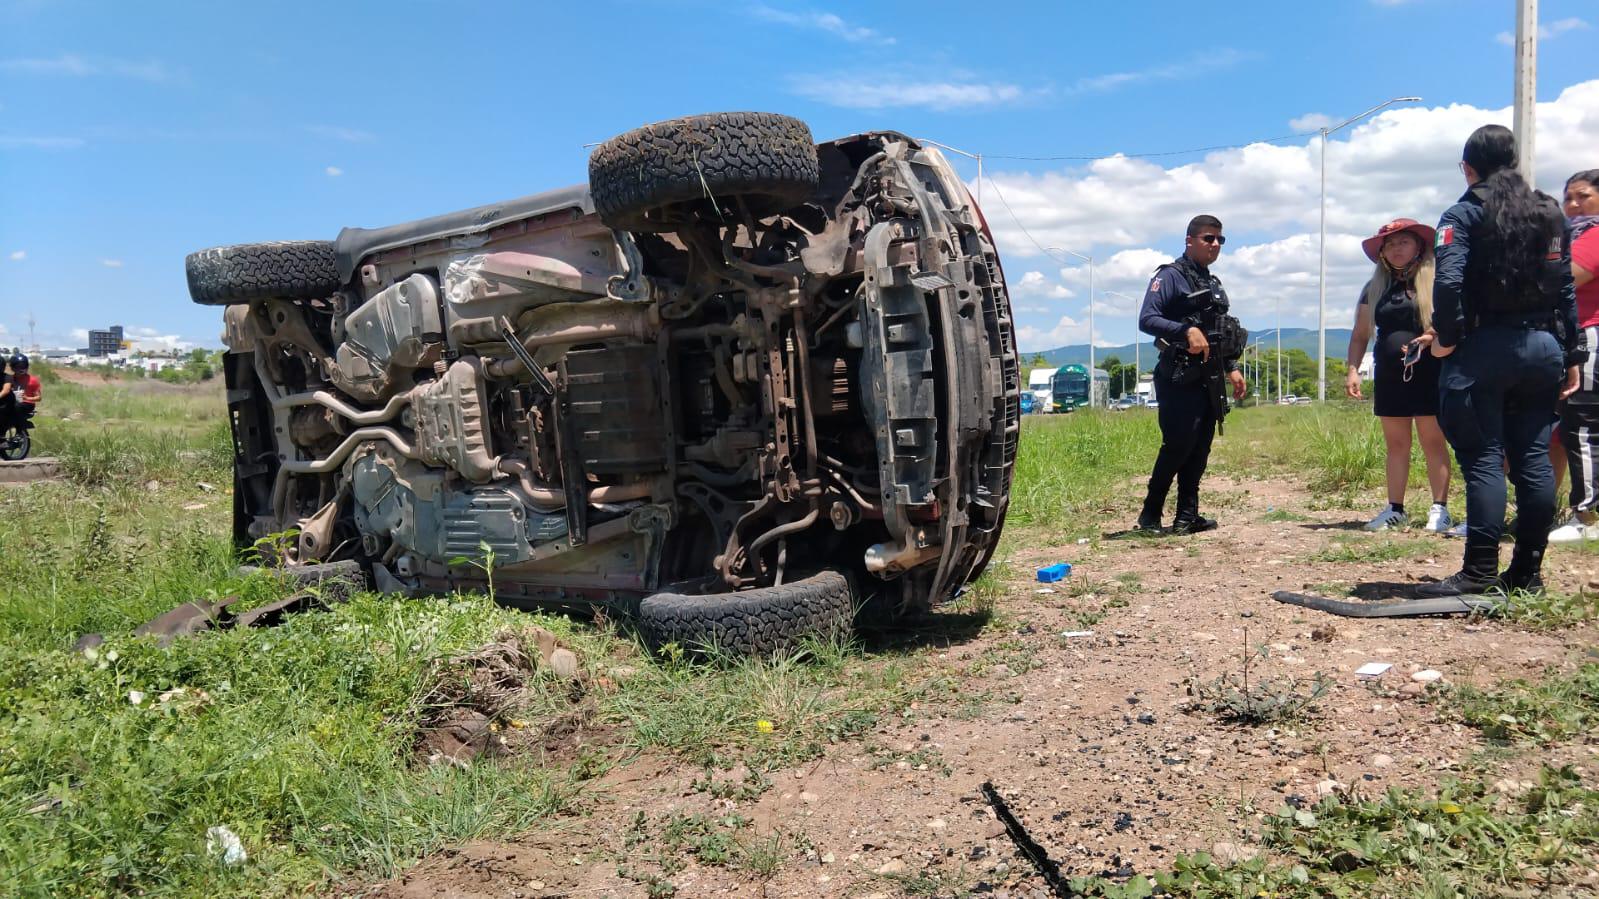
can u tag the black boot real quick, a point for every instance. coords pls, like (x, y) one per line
(1149, 517)
(1479, 574)
(1194, 525)
(1458, 584)
(1524, 572)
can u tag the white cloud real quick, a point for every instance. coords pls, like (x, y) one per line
(333, 171)
(71, 65)
(14, 142)
(150, 339)
(111, 263)
(81, 335)
(821, 21)
(876, 92)
(335, 132)
(1310, 121)
(18, 255)
(1065, 331)
(1211, 61)
(1546, 32)
(1129, 213)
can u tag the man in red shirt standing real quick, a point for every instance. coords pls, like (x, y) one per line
(1579, 415)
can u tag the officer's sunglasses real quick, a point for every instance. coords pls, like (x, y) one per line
(1214, 238)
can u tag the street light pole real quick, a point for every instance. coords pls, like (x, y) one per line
(1137, 342)
(1321, 305)
(1090, 261)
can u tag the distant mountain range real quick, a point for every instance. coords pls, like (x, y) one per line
(1293, 339)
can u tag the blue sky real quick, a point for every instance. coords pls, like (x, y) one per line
(132, 134)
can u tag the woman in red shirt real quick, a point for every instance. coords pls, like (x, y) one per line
(1579, 415)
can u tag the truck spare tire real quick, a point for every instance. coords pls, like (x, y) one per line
(285, 269)
(758, 622)
(766, 160)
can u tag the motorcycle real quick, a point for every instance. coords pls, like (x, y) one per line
(15, 441)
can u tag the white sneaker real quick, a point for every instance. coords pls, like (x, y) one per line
(1438, 520)
(1458, 530)
(1385, 519)
(1574, 531)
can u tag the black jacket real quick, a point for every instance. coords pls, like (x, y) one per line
(1461, 293)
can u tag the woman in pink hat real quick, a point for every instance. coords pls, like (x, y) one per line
(1397, 304)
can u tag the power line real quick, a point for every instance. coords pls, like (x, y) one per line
(1006, 203)
(1266, 140)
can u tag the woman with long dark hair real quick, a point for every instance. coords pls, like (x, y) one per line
(1505, 313)
(1579, 415)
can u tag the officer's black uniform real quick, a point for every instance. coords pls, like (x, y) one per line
(1191, 410)
(1497, 391)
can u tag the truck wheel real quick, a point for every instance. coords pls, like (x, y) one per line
(756, 622)
(766, 160)
(285, 269)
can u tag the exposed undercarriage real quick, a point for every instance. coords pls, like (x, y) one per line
(724, 393)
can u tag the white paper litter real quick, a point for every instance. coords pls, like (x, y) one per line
(219, 839)
(1373, 669)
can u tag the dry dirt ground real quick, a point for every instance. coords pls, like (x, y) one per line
(1086, 737)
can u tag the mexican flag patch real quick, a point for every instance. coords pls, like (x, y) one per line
(1446, 236)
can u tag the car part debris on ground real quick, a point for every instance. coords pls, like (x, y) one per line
(325, 584)
(1402, 608)
(1035, 854)
(741, 383)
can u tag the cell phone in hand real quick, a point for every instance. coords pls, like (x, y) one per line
(1413, 351)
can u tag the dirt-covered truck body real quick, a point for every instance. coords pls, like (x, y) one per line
(740, 383)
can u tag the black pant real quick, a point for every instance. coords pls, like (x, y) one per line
(1187, 427)
(1579, 434)
(1496, 404)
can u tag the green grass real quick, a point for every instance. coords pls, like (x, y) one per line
(300, 738)
(297, 739)
(1556, 708)
(1463, 840)
(1070, 466)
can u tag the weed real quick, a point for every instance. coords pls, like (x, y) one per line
(1285, 515)
(749, 787)
(1464, 841)
(1551, 610)
(1265, 701)
(661, 848)
(932, 881)
(922, 758)
(1556, 708)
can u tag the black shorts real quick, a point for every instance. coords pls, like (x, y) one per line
(1394, 397)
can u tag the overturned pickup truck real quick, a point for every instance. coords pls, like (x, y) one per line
(741, 385)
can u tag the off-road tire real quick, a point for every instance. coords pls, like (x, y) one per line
(766, 160)
(757, 622)
(285, 269)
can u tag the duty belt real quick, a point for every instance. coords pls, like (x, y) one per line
(1542, 321)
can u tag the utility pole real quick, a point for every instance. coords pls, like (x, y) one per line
(1526, 84)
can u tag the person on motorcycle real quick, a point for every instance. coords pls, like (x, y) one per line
(25, 385)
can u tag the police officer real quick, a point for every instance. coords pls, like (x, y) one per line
(1182, 297)
(1505, 311)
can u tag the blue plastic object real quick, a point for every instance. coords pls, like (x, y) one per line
(1055, 572)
